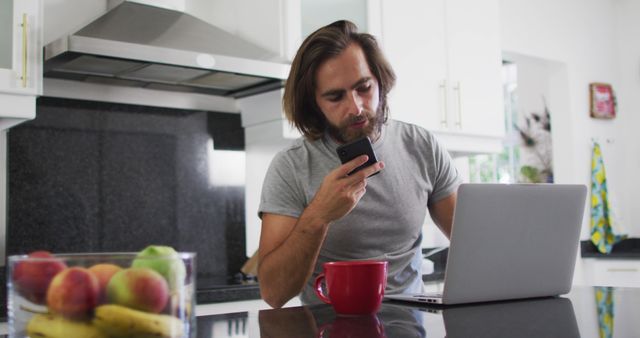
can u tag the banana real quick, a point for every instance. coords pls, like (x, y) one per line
(52, 326)
(123, 322)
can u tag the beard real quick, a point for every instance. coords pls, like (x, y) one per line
(343, 134)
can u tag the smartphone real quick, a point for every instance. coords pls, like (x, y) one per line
(349, 151)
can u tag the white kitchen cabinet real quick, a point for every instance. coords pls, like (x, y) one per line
(611, 272)
(447, 58)
(20, 60)
(309, 15)
(315, 14)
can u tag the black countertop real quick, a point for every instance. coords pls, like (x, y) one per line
(625, 249)
(216, 289)
(227, 293)
(573, 315)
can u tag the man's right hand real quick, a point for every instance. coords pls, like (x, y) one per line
(290, 246)
(339, 194)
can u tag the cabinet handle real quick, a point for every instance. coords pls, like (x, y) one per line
(622, 270)
(458, 90)
(443, 112)
(24, 50)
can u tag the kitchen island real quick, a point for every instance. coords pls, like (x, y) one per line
(576, 314)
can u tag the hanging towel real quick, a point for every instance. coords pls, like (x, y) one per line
(602, 234)
(604, 303)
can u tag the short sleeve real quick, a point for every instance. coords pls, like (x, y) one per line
(447, 178)
(281, 193)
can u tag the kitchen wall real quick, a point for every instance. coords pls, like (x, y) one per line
(628, 68)
(105, 177)
(588, 41)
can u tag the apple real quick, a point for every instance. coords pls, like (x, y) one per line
(32, 277)
(165, 261)
(139, 288)
(104, 272)
(73, 293)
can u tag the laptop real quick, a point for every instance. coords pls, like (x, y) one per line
(510, 241)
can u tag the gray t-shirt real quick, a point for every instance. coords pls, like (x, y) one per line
(386, 224)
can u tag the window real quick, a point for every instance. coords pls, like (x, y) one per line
(527, 153)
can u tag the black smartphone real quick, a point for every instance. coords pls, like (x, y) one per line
(349, 151)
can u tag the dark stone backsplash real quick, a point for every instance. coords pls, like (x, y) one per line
(98, 177)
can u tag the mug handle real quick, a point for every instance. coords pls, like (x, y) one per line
(318, 287)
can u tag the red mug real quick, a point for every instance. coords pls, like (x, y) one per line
(353, 287)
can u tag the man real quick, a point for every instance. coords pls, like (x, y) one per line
(312, 211)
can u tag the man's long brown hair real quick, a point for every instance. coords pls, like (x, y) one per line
(299, 101)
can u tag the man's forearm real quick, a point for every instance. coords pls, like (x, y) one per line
(284, 271)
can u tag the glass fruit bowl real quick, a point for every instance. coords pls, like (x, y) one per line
(102, 295)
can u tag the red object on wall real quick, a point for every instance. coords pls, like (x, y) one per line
(603, 101)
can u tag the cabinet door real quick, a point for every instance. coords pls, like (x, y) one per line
(21, 47)
(611, 272)
(475, 67)
(413, 39)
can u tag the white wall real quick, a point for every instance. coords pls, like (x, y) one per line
(627, 47)
(581, 37)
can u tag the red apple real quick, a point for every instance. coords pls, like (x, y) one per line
(104, 272)
(31, 277)
(73, 293)
(140, 289)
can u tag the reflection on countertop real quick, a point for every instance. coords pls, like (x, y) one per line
(577, 314)
(549, 317)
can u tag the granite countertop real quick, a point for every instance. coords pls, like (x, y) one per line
(228, 293)
(571, 315)
(625, 249)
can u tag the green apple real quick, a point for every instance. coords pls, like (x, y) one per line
(165, 261)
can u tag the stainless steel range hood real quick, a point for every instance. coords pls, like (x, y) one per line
(145, 46)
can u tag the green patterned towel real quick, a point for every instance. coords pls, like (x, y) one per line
(602, 234)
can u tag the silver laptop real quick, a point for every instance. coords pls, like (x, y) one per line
(510, 241)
